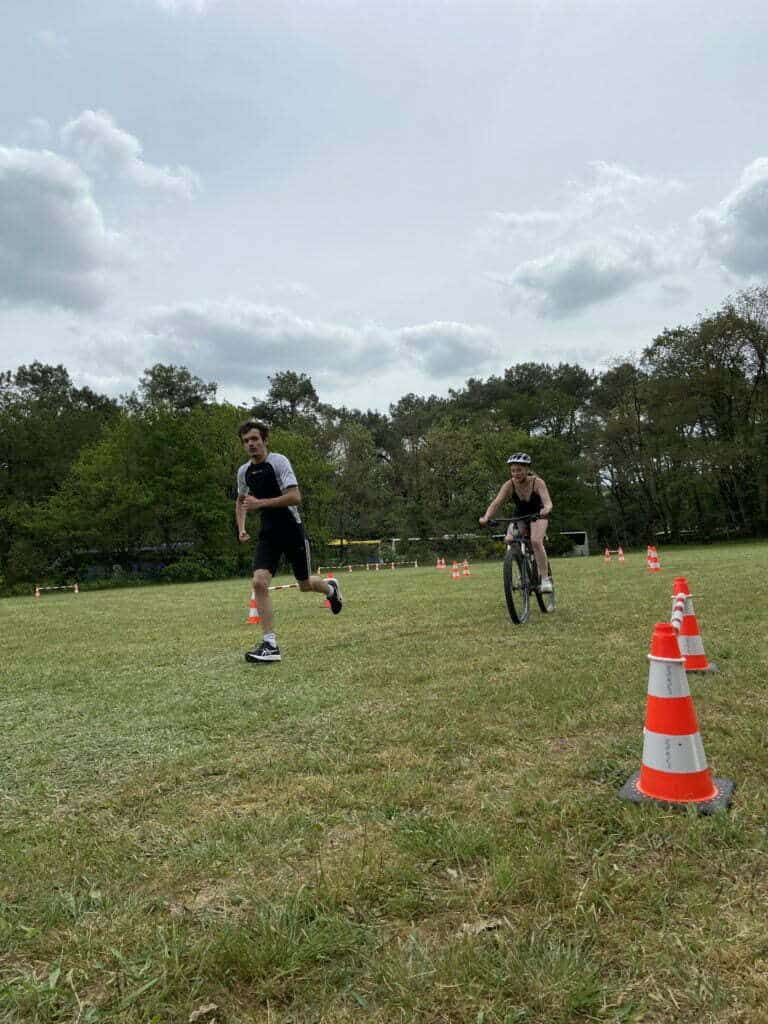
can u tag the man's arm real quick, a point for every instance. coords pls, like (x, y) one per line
(240, 511)
(497, 502)
(290, 496)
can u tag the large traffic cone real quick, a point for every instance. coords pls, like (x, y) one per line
(465, 569)
(674, 769)
(253, 612)
(689, 637)
(621, 553)
(607, 555)
(455, 574)
(37, 592)
(652, 561)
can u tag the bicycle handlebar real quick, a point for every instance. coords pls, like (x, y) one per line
(529, 517)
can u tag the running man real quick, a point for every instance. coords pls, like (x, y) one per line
(267, 484)
(531, 497)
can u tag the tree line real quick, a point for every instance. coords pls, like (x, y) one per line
(673, 443)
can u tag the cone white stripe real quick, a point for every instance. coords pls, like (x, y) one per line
(667, 678)
(690, 645)
(679, 755)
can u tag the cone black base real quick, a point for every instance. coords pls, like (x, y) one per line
(721, 802)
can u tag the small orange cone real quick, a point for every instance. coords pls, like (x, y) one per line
(455, 574)
(37, 592)
(652, 561)
(253, 612)
(466, 571)
(621, 553)
(674, 769)
(607, 555)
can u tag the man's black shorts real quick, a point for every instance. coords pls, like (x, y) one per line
(290, 541)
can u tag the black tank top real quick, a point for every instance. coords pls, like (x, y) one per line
(529, 506)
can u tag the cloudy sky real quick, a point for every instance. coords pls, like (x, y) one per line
(389, 196)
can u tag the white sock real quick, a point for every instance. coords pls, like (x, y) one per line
(270, 638)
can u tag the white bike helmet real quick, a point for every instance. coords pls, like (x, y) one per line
(519, 459)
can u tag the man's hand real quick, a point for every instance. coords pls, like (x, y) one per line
(249, 503)
(483, 520)
(243, 536)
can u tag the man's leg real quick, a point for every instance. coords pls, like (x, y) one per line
(261, 580)
(267, 650)
(301, 560)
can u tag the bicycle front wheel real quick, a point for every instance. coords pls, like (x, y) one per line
(516, 586)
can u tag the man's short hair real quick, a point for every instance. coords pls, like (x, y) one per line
(249, 425)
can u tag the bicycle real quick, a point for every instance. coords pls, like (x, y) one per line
(521, 574)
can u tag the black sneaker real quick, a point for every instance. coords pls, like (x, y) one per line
(335, 597)
(264, 652)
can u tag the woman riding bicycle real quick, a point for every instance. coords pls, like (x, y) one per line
(531, 497)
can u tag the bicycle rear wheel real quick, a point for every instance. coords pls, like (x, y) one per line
(547, 600)
(516, 586)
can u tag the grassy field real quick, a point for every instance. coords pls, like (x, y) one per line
(414, 817)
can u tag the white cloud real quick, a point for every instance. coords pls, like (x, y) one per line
(236, 342)
(613, 194)
(593, 248)
(55, 249)
(443, 349)
(104, 149)
(570, 279)
(735, 233)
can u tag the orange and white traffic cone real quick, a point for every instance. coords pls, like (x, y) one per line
(652, 563)
(37, 592)
(253, 612)
(621, 553)
(607, 555)
(689, 637)
(455, 574)
(674, 770)
(465, 570)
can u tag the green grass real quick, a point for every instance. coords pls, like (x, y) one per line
(414, 817)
